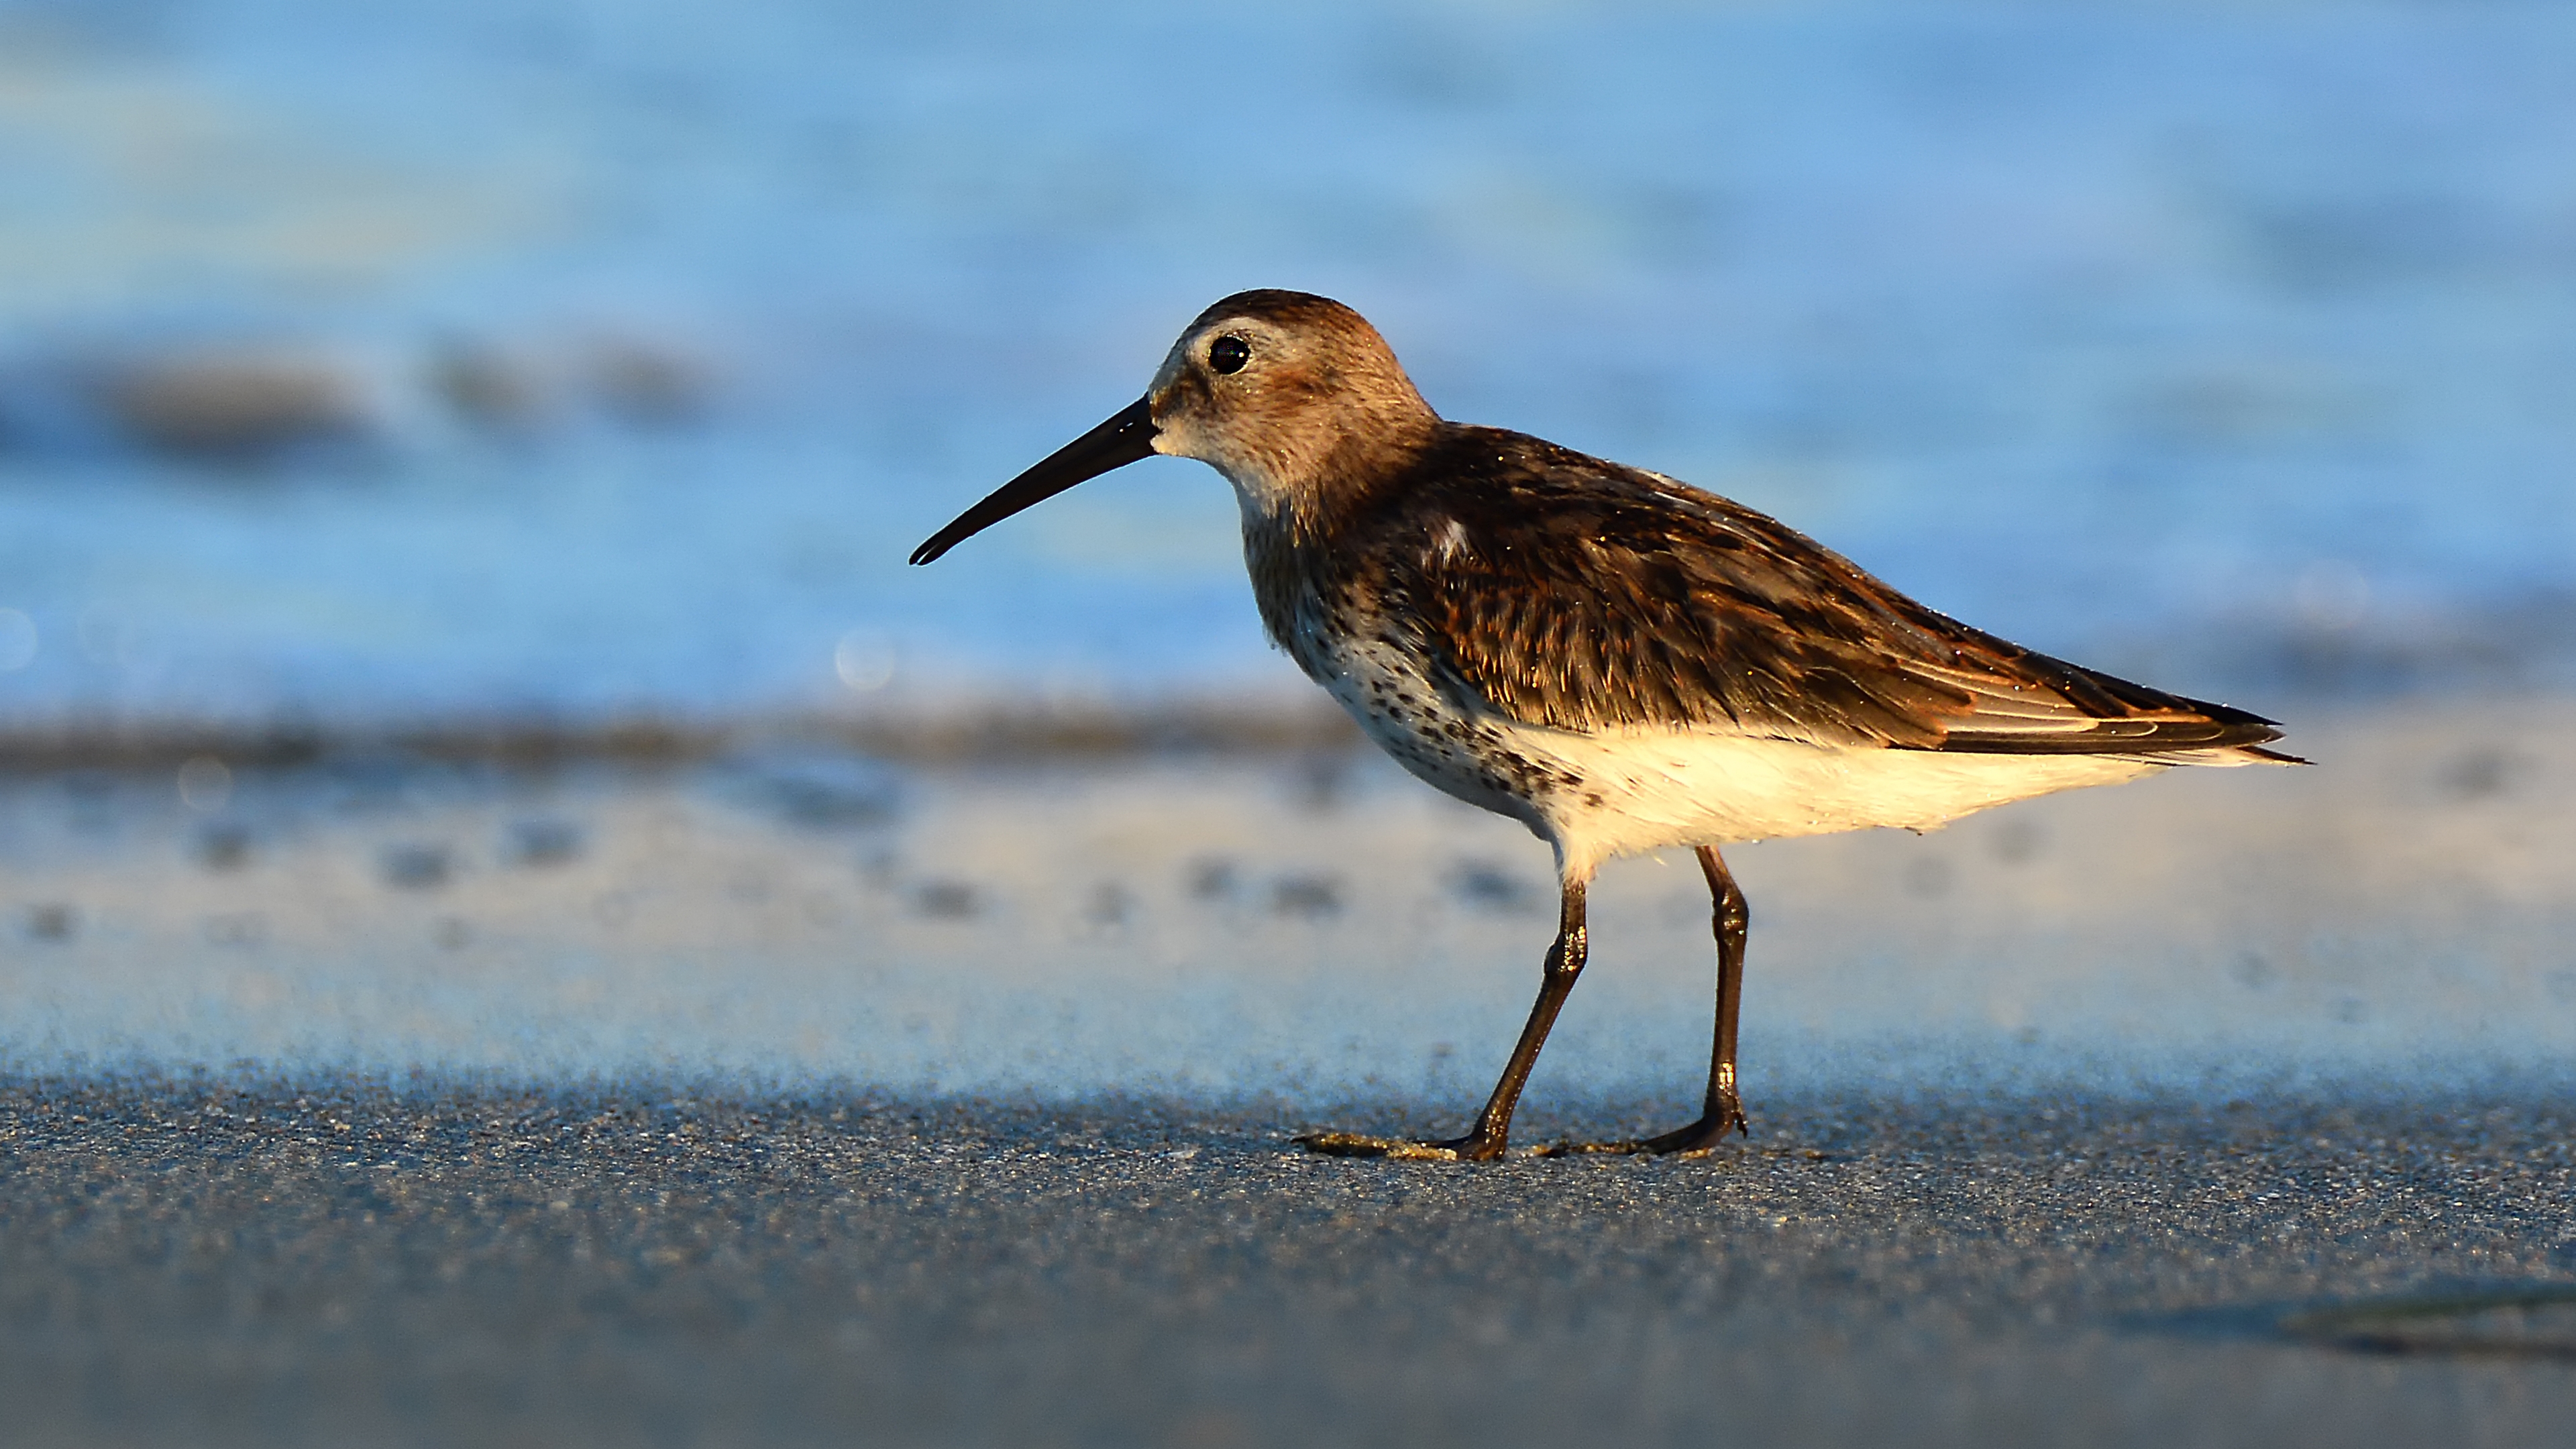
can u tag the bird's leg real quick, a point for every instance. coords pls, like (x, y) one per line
(1493, 1125)
(1723, 1112)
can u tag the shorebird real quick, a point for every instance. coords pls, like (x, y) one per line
(1618, 660)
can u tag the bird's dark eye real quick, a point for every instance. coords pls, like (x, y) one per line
(1228, 354)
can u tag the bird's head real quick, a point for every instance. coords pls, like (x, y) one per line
(1295, 398)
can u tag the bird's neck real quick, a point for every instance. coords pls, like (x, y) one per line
(1301, 496)
(1305, 547)
(1286, 584)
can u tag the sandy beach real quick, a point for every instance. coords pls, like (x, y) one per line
(1254, 923)
(790, 1096)
(195, 1264)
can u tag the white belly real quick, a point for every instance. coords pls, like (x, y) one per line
(1648, 789)
(1618, 792)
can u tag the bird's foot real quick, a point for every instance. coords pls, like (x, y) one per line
(1696, 1140)
(1470, 1148)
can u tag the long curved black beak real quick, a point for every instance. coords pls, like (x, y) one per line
(1125, 438)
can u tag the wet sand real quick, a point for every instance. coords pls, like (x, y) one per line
(196, 1264)
(791, 1098)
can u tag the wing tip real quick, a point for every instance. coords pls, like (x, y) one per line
(2214, 735)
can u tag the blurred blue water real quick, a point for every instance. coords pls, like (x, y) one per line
(2134, 332)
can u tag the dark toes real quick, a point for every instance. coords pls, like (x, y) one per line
(1352, 1144)
(1704, 1135)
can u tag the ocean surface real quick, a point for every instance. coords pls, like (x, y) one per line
(483, 358)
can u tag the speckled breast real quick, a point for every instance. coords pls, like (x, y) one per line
(1458, 749)
(1345, 639)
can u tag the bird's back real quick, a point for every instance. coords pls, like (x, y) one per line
(1559, 591)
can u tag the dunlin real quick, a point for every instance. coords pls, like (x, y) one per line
(1616, 659)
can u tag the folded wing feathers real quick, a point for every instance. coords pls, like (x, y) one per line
(1579, 595)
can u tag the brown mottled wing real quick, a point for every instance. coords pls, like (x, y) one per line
(1568, 592)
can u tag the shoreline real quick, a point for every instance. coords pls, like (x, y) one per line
(1295, 923)
(1246, 723)
(1289, 718)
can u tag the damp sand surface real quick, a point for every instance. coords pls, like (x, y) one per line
(198, 1263)
(793, 1097)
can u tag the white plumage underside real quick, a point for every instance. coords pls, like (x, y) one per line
(1643, 789)
(1673, 787)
